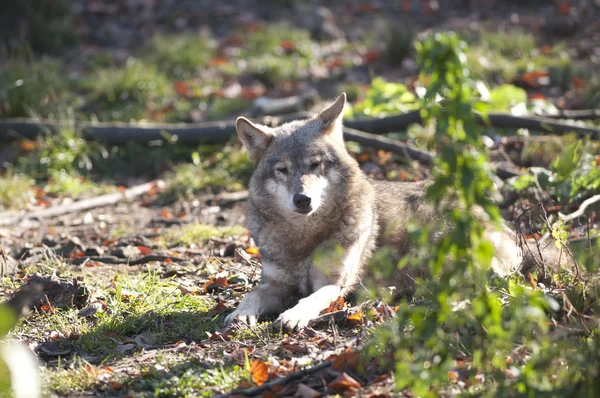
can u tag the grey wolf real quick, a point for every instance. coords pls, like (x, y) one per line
(317, 218)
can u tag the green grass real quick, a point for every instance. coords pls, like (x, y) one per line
(197, 233)
(14, 191)
(179, 56)
(144, 303)
(78, 378)
(502, 56)
(129, 92)
(278, 52)
(228, 167)
(189, 378)
(34, 87)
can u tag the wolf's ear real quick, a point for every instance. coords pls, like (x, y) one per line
(256, 138)
(332, 118)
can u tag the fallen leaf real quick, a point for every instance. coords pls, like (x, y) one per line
(144, 250)
(356, 318)
(181, 88)
(166, 213)
(336, 305)
(343, 382)
(253, 251)
(220, 307)
(346, 360)
(259, 371)
(221, 279)
(305, 391)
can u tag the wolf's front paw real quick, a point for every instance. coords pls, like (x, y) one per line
(295, 318)
(238, 316)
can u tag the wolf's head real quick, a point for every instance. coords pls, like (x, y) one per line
(297, 164)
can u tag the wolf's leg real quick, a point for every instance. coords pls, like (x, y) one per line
(272, 295)
(309, 307)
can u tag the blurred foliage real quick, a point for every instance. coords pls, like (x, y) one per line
(572, 176)
(277, 52)
(179, 56)
(128, 92)
(228, 167)
(499, 57)
(463, 315)
(32, 87)
(45, 26)
(382, 99)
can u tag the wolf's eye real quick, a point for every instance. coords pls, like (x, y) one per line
(282, 170)
(315, 165)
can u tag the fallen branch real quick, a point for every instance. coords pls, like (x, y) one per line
(579, 212)
(118, 260)
(85, 204)
(577, 114)
(387, 144)
(498, 120)
(249, 392)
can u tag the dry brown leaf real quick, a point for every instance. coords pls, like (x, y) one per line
(259, 371)
(343, 382)
(220, 307)
(346, 360)
(304, 391)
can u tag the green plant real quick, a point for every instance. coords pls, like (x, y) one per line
(130, 92)
(179, 56)
(33, 87)
(383, 98)
(463, 315)
(573, 175)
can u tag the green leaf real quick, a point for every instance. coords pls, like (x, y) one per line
(506, 96)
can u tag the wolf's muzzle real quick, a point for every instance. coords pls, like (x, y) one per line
(302, 203)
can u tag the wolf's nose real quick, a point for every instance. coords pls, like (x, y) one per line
(301, 201)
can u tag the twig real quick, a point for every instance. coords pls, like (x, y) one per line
(581, 210)
(117, 260)
(249, 392)
(85, 204)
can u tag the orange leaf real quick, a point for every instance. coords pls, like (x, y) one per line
(577, 82)
(259, 371)
(253, 251)
(166, 213)
(181, 88)
(144, 250)
(287, 45)
(343, 382)
(357, 318)
(28, 145)
(217, 61)
(453, 376)
(336, 305)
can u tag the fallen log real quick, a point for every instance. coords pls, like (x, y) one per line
(221, 131)
(84, 204)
